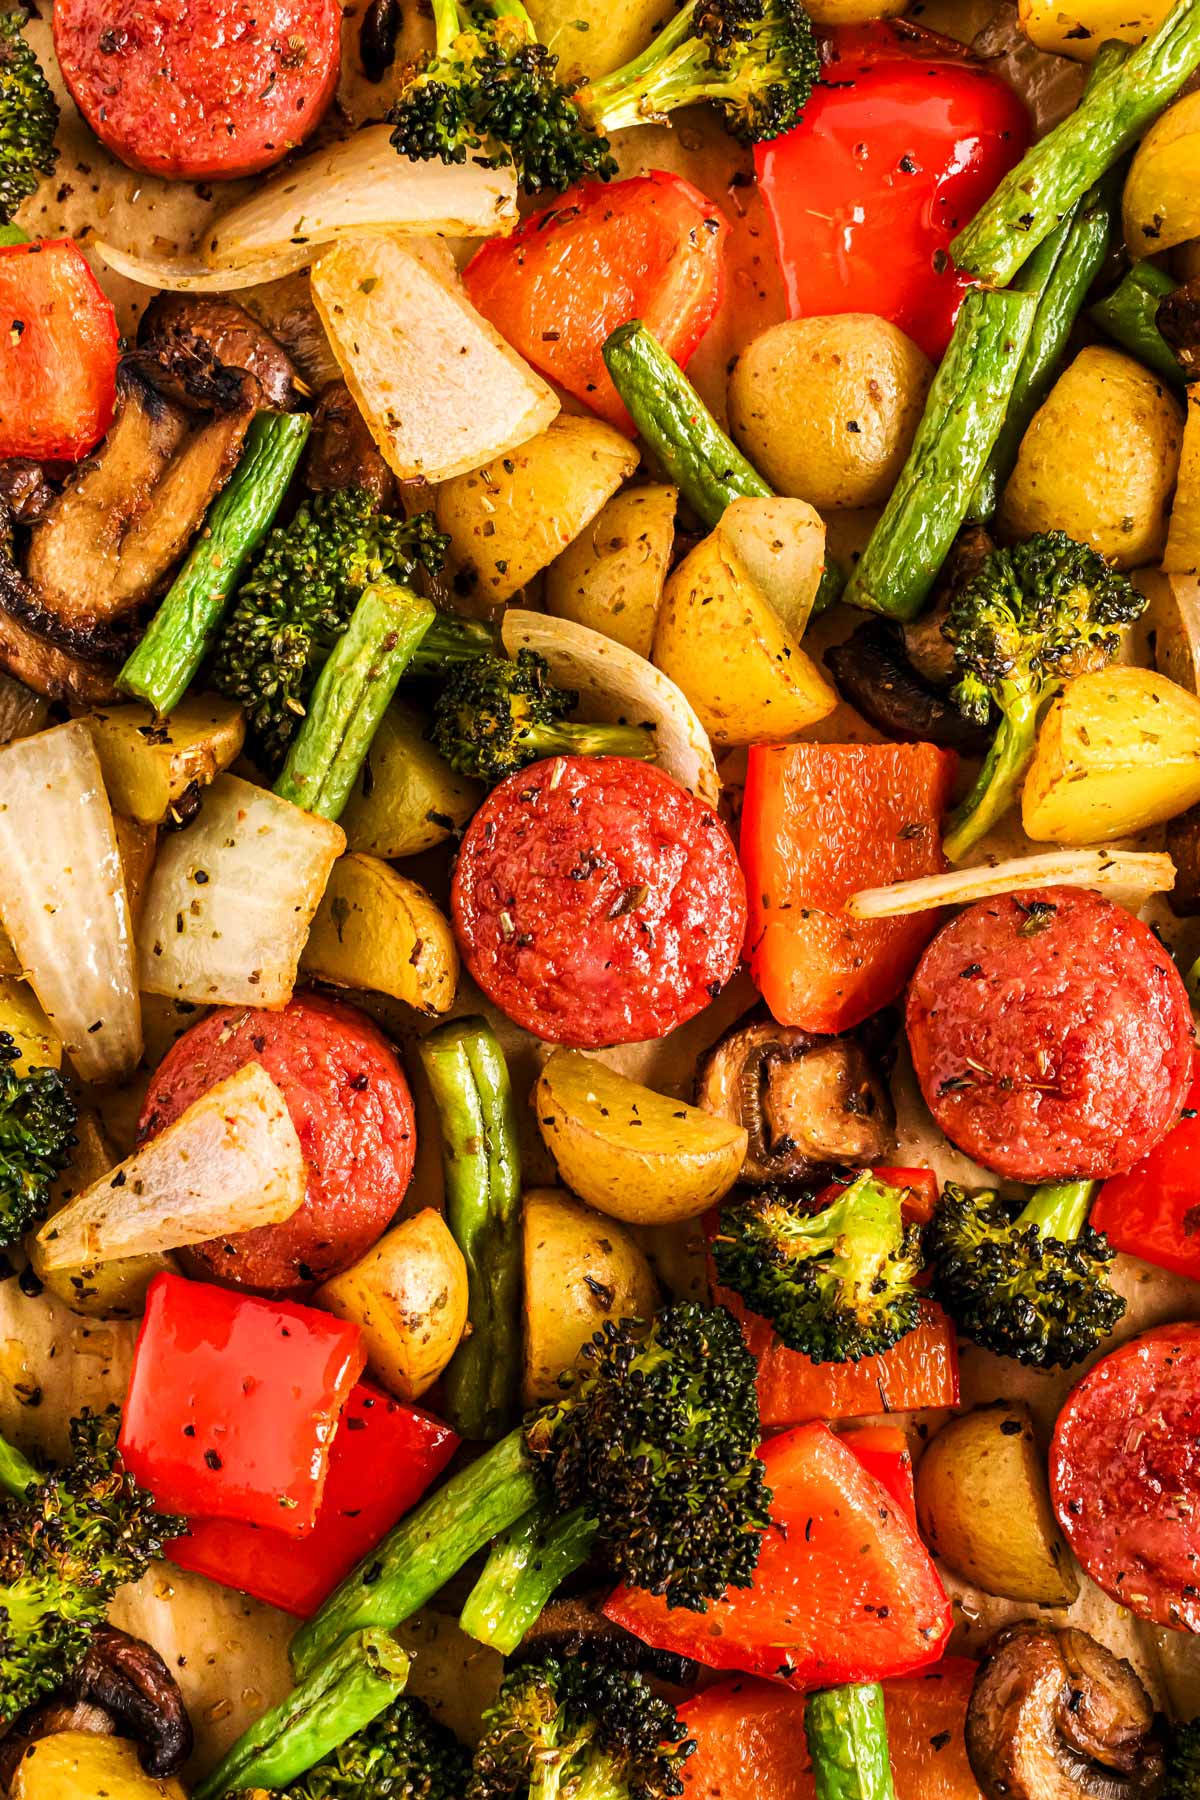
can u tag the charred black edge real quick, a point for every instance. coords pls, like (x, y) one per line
(99, 645)
(377, 38)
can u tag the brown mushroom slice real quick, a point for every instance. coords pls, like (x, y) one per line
(808, 1103)
(174, 322)
(342, 452)
(1178, 319)
(77, 671)
(1055, 1716)
(1183, 847)
(924, 646)
(873, 674)
(576, 1626)
(25, 490)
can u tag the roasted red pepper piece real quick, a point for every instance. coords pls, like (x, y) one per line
(819, 822)
(918, 1187)
(899, 145)
(844, 1590)
(58, 353)
(383, 1457)
(233, 1403)
(650, 248)
(1154, 1211)
(884, 1453)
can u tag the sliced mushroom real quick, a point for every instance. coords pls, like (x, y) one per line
(874, 675)
(83, 673)
(25, 490)
(342, 453)
(927, 650)
(1055, 1716)
(173, 322)
(1178, 319)
(808, 1103)
(377, 38)
(1183, 847)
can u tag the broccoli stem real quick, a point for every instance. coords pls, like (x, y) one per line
(1192, 981)
(450, 642)
(466, 1070)
(591, 740)
(1051, 177)
(665, 76)
(1000, 776)
(1130, 316)
(429, 1545)
(351, 695)
(525, 1566)
(1059, 1209)
(181, 632)
(12, 234)
(17, 1473)
(339, 1696)
(848, 1742)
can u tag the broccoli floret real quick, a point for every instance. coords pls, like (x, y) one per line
(836, 1284)
(1029, 618)
(491, 90)
(1182, 1778)
(403, 1754)
(297, 601)
(493, 716)
(37, 1118)
(580, 1729)
(1027, 1282)
(28, 118)
(67, 1543)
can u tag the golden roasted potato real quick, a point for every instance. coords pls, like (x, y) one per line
(407, 798)
(611, 578)
(1174, 620)
(81, 1765)
(1182, 554)
(984, 1507)
(580, 1269)
(378, 930)
(719, 639)
(509, 519)
(1160, 206)
(408, 1296)
(1099, 460)
(781, 544)
(1117, 752)
(629, 1152)
(25, 1022)
(853, 12)
(594, 37)
(1078, 27)
(826, 408)
(150, 765)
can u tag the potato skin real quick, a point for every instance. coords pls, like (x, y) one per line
(1079, 28)
(1161, 203)
(409, 1297)
(580, 1269)
(1099, 460)
(611, 578)
(826, 408)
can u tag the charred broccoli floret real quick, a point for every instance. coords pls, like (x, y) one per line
(297, 601)
(37, 1118)
(836, 1284)
(491, 90)
(579, 1728)
(403, 1754)
(28, 117)
(1029, 618)
(493, 716)
(1182, 1778)
(1030, 1282)
(68, 1541)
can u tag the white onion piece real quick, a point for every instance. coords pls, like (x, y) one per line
(63, 901)
(618, 687)
(1130, 876)
(781, 544)
(232, 897)
(232, 1160)
(190, 274)
(359, 186)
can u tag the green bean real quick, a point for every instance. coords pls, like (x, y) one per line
(1130, 316)
(525, 1566)
(848, 1742)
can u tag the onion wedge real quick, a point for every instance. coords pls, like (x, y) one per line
(230, 1162)
(63, 899)
(190, 274)
(616, 686)
(1128, 876)
(232, 897)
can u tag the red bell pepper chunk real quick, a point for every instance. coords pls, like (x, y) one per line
(650, 248)
(233, 1403)
(750, 1738)
(819, 822)
(844, 1589)
(1154, 1211)
(897, 148)
(884, 1453)
(383, 1457)
(58, 353)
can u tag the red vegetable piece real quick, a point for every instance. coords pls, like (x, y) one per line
(844, 1590)
(884, 1453)
(650, 248)
(895, 152)
(383, 1457)
(233, 1403)
(819, 822)
(1125, 1474)
(919, 1191)
(58, 372)
(1154, 1211)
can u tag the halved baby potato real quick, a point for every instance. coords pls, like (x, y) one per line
(376, 929)
(81, 1765)
(150, 764)
(1160, 206)
(580, 1269)
(408, 1296)
(611, 578)
(407, 798)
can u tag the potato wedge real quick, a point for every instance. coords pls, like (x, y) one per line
(594, 37)
(781, 545)
(508, 520)
(629, 1152)
(80, 1765)
(1118, 752)
(28, 1026)
(1077, 28)
(853, 12)
(378, 930)
(1173, 616)
(407, 798)
(719, 639)
(611, 578)
(580, 1269)
(152, 768)
(1160, 206)
(408, 1295)
(1182, 553)
(984, 1507)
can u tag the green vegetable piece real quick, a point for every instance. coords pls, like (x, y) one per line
(28, 120)
(525, 1566)
(848, 1743)
(963, 416)
(17, 1473)
(1034, 197)
(182, 630)
(37, 1121)
(405, 1753)
(1130, 317)
(351, 696)
(340, 1697)
(481, 1157)
(12, 234)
